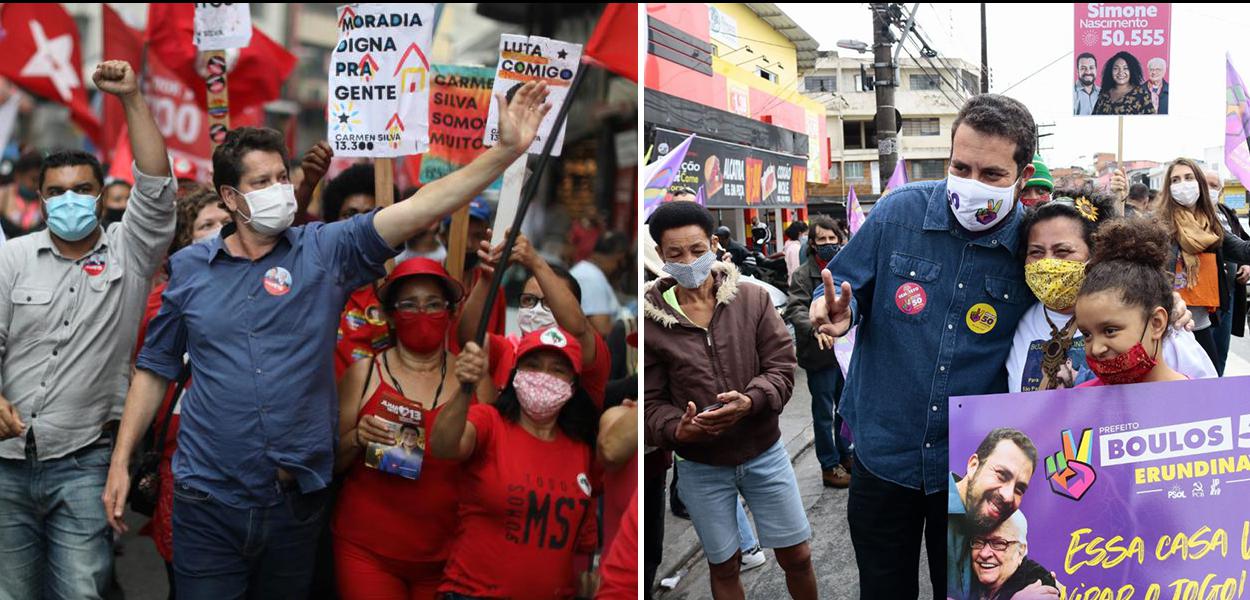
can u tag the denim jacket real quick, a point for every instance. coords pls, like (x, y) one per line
(937, 308)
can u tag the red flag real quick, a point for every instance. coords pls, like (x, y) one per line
(257, 77)
(121, 42)
(41, 54)
(614, 44)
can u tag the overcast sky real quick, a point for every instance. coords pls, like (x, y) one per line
(1025, 37)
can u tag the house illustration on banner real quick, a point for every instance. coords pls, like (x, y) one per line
(346, 17)
(412, 76)
(368, 67)
(394, 130)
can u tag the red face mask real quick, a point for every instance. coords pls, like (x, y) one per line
(420, 332)
(1129, 367)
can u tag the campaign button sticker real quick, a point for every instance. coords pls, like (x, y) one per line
(277, 281)
(910, 298)
(982, 318)
(94, 265)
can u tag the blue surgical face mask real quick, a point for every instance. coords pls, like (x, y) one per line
(71, 216)
(691, 276)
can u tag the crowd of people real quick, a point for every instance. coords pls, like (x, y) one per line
(994, 281)
(305, 399)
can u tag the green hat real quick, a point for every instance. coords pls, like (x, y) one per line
(1041, 176)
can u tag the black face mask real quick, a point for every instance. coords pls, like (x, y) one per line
(113, 215)
(27, 193)
(826, 252)
(471, 260)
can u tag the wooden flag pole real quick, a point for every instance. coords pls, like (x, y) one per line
(1119, 149)
(457, 242)
(218, 96)
(384, 189)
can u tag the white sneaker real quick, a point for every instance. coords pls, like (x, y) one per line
(753, 558)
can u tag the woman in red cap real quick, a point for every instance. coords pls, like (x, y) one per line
(396, 515)
(526, 512)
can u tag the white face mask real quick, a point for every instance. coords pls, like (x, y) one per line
(273, 209)
(978, 206)
(535, 319)
(1185, 193)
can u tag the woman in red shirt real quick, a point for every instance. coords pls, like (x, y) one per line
(526, 510)
(396, 513)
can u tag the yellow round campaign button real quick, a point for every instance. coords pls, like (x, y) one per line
(982, 318)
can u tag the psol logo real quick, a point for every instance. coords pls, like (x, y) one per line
(1070, 471)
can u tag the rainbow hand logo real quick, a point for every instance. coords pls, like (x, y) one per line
(1070, 472)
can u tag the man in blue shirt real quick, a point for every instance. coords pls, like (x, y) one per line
(935, 283)
(256, 311)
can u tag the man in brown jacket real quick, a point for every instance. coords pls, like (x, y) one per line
(719, 369)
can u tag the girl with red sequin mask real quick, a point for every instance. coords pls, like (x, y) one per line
(1124, 304)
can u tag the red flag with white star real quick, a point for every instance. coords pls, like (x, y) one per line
(40, 46)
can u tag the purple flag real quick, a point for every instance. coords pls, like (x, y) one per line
(1236, 126)
(898, 179)
(660, 174)
(854, 213)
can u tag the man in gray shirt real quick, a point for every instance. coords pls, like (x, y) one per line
(70, 301)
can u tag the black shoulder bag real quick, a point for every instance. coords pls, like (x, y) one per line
(145, 483)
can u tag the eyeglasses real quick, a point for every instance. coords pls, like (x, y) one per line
(429, 307)
(996, 544)
(530, 301)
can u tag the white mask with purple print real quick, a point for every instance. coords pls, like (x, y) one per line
(978, 206)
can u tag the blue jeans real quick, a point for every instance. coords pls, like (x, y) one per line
(55, 541)
(766, 481)
(1223, 337)
(745, 534)
(825, 386)
(226, 553)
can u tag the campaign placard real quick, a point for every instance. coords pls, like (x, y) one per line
(380, 80)
(1122, 58)
(534, 58)
(1136, 491)
(222, 26)
(459, 106)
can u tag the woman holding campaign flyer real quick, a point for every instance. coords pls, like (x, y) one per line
(1048, 352)
(396, 516)
(526, 507)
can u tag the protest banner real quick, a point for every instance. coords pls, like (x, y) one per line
(1139, 491)
(222, 26)
(459, 106)
(1113, 41)
(659, 175)
(379, 80)
(534, 58)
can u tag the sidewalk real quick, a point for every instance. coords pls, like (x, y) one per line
(832, 554)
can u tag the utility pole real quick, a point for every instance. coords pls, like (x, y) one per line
(883, 63)
(985, 56)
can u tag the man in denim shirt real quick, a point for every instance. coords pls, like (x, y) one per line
(256, 312)
(935, 283)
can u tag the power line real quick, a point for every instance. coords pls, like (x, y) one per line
(1048, 65)
(957, 105)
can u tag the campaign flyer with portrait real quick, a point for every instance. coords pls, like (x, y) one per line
(406, 424)
(1137, 491)
(1122, 59)
(379, 80)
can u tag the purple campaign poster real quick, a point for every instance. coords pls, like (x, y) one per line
(1139, 491)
